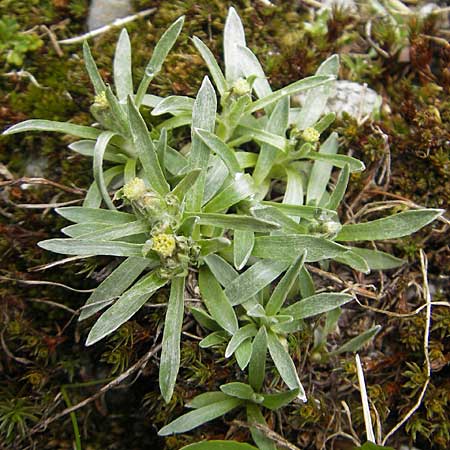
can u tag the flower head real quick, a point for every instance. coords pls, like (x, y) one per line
(310, 135)
(134, 189)
(164, 244)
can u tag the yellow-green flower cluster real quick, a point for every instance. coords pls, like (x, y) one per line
(310, 135)
(134, 189)
(164, 244)
(100, 101)
(241, 87)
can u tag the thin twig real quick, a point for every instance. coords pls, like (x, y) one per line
(109, 26)
(56, 263)
(46, 205)
(48, 283)
(426, 338)
(44, 181)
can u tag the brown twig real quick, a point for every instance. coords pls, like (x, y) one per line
(44, 181)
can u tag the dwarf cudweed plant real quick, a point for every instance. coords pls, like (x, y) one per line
(251, 202)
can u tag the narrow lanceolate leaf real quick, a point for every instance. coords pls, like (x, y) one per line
(199, 416)
(160, 52)
(204, 319)
(282, 289)
(303, 211)
(288, 247)
(216, 175)
(203, 117)
(220, 148)
(254, 415)
(50, 125)
(213, 245)
(317, 304)
(114, 285)
(321, 171)
(123, 79)
(378, 260)
(252, 67)
(325, 122)
(243, 353)
(239, 189)
(396, 226)
(181, 189)
(220, 445)
(294, 88)
(253, 280)
(99, 150)
(99, 231)
(146, 150)
(216, 301)
(272, 139)
(341, 186)
(287, 224)
(80, 214)
(205, 399)
(294, 188)
(341, 161)
(127, 305)
(257, 364)
(238, 390)
(215, 338)
(316, 99)
(285, 365)
(117, 113)
(213, 66)
(233, 37)
(86, 147)
(306, 283)
(85, 247)
(243, 245)
(93, 197)
(234, 222)
(240, 336)
(91, 67)
(353, 260)
(277, 401)
(174, 104)
(353, 345)
(221, 269)
(170, 351)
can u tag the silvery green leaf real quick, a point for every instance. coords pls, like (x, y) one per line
(213, 66)
(378, 260)
(175, 162)
(303, 211)
(298, 86)
(170, 351)
(341, 161)
(238, 390)
(123, 79)
(240, 188)
(212, 245)
(222, 270)
(272, 214)
(294, 188)
(93, 197)
(246, 159)
(216, 175)
(146, 150)
(117, 112)
(284, 286)
(252, 67)
(341, 186)
(243, 353)
(178, 121)
(99, 231)
(215, 338)
(151, 100)
(160, 52)
(316, 99)
(114, 285)
(284, 364)
(80, 214)
(254, 415)
(257, 364)
(99, 150)
(182, 188)
(174, 104)
(353, 345)
(91, 67)
(199, 416)
(233, 37)
(305, 283)
(204, 319)
(203, 116)
(395, 226)
(123, 309)
(288, 247)
(161, 150)
(216, 301)
(85, 247)
(321, 171)
(266, 137)
(246, 332)
(353, 260)
(86, 147)
(243, 245)
(325, 122)
(277, 124)
(51, 125)
(234, 222)
(220, 445)
(317, 304)
(253, 280)
(205, 399)
(221, 149)
(278, 400)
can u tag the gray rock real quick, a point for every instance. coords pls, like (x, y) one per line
(353, 98)
(103, 12)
